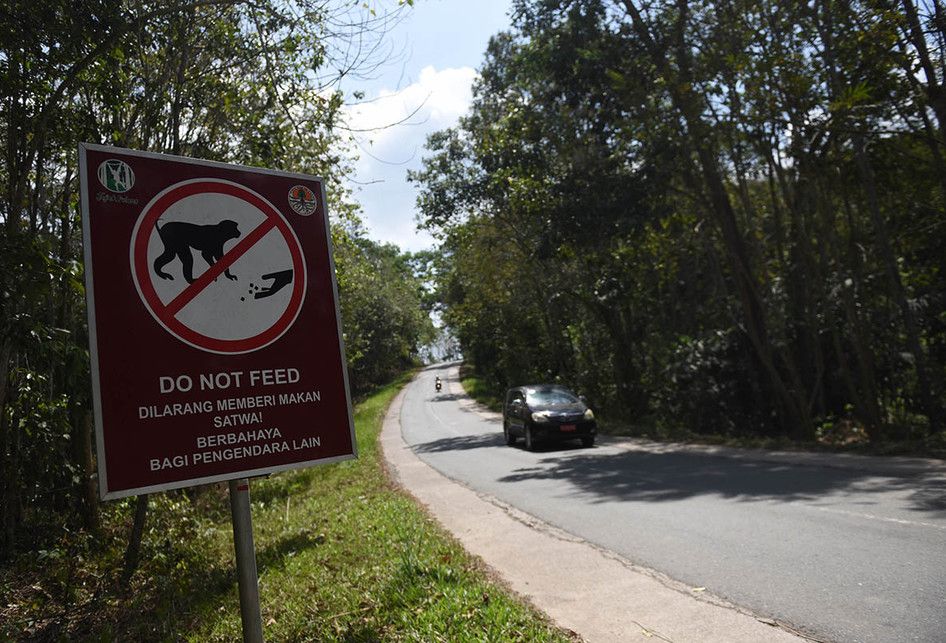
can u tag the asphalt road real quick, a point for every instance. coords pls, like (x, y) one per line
(845, 549)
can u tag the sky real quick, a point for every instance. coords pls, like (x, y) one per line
(436, 50)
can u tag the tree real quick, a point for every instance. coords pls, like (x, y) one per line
(233, 80)
(704, 199)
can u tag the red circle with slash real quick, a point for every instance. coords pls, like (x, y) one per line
(167, 311)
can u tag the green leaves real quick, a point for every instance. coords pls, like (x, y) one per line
(660, 206)
(253, 83)
(852, 97)
(384, 316)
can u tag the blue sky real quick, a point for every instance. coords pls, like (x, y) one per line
(437, 48)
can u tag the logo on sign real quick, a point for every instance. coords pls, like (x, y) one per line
(116, 176)
(302, 200)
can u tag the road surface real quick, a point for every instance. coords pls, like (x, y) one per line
(840, 547)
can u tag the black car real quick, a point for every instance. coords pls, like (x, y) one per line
(547, 412)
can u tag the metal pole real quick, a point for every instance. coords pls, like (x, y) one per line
(246, 560)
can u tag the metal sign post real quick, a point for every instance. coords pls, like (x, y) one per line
(246, 560)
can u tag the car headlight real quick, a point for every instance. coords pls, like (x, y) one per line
(540, 416)
(589, 415)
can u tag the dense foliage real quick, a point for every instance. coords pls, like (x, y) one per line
(725, 216)
(382, 300)
(247, 82)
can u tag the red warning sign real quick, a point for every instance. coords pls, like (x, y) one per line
(214, 328)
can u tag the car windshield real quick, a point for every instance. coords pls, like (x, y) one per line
(550, 397)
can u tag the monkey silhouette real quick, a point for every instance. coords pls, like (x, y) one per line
(179, 237)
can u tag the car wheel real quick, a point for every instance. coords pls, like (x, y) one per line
(588, 442)
(510, 438)
(530, 441)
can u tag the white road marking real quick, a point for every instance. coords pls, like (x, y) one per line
(430, 409)
(856, 514)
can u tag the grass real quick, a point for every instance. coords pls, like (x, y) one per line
(342, 556)
(480, 390)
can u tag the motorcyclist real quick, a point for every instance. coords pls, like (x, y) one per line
(437, 384)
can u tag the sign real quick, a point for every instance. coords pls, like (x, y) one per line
(213, 319)
(195, 309)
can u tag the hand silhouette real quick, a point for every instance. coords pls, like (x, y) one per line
(280, 279)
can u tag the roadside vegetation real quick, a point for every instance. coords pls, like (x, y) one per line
(724, 220)
(841, 439)
(342, 556)
(255, 83)
(480, 390)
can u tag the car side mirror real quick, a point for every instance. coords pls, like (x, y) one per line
(584, 400)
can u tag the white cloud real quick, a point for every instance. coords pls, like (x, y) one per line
(391, 129)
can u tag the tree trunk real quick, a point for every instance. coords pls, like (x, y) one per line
(935, 92)
(861, 336)
(626, 374)
(134, 541)
(87, 487)
(8, 464)
(803, 279)
(925, 388)
(7, 527)
(865, 396)
(795, 416)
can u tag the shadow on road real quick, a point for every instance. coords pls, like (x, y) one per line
(487, 441)
(932, 497)
(442, 366)
(447, 397)
(658, 477)
(461, 443)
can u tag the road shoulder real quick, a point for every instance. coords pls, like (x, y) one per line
(595, 593)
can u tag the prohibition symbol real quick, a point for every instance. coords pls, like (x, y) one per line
(218, 266)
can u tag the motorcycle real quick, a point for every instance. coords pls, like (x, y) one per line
(438, 385)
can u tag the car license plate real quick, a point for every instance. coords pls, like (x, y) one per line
(568, 427)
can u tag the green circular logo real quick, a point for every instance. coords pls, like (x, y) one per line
(116, 176)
